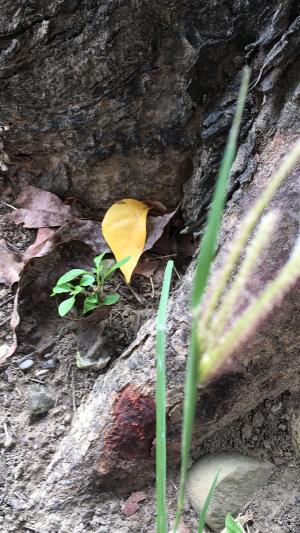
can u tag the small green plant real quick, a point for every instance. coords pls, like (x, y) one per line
(88, 284)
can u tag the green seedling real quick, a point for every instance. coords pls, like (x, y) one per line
(88, 284)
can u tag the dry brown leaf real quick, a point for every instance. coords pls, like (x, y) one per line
(87, 231)
(155, 228)
(146, 268)
(131, 505)
(11, 265)
(42, 245)
(40, 209)
(156, 206)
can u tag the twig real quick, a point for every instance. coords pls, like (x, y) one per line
(37, 381)
(135, 294)
(176, 272)
(68, 372)
(7, 319)
(163, 256)
(73, 393)
(152, 287)
(7, 300)
(9, 205)
(8, 438)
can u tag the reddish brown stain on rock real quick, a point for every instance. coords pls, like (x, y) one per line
(134, 423)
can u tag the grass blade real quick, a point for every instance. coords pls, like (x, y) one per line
(161, 453)
(207, 503)
(205, 258)
(232, 526)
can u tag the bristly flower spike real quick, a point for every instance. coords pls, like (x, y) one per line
(252, 316)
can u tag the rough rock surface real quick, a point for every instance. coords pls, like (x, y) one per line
(131, 98)
(239, 478)
(108, 97)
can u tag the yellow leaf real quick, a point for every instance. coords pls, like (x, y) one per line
(124, 229)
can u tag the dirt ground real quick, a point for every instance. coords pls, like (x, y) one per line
(27, 444)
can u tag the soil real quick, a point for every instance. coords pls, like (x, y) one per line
(27, 444)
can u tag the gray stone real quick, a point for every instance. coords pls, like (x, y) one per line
(240, 477)
(26, 365)
(39, 399)
(50, 364)
(246, 431)
(258, 419)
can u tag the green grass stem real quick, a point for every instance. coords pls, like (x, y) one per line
(206, 255)
(207, 503)
(161, 452)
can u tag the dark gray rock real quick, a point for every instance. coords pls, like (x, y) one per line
(40, 399)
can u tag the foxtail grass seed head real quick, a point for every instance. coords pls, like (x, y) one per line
(254, 314)
(253, 252)
(246, 228)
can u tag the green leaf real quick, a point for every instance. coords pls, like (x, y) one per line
(66, 306)
(110, 299)
(232, 526)
(117, 265)
(77, 290)
(67, 287)
(98, 259)
(207, 503)
(90, 303)
(72, 274)
(87, 280)
(161, 407)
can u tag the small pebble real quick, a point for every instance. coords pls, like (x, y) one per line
(258, 420)
(68, 418)
(267, 445)
(282, 427)
(40, 399)
(60, 430)
(26, 365)
(278, 460)
(276, 408)
(49, 364)
(246, 431)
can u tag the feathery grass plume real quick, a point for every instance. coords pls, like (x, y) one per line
(252, 316)
(206, 255)
(252, 253)
(246, 228)
(161, 453)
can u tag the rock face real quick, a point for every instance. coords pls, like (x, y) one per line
(239, 479)
(108, 98)
(115, 99)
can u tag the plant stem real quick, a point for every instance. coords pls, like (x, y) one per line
(161, 453)
(205, 258)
